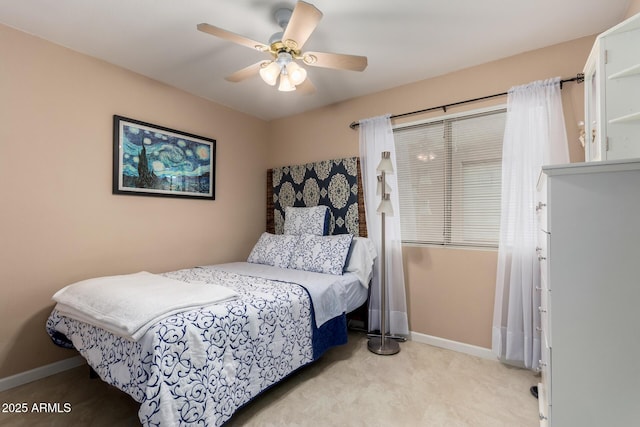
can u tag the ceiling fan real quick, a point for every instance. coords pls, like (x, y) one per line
(285, 48)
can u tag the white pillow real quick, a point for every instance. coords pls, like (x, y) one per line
(273, 249)
(361, 257)
(321, 254)
(312, 220)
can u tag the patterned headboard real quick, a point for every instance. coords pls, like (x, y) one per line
(334, 183)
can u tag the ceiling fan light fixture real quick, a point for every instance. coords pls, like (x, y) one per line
(285, 84)
(270, 73)
(296, 73)
(285, 48)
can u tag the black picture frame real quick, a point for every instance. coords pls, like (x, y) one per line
(152, 160)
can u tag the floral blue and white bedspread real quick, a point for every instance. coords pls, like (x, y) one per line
(198, 367)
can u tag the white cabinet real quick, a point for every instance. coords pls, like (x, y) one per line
(589, 250)
(612, 94)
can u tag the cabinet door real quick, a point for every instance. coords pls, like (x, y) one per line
(622, 94)
(593, 113)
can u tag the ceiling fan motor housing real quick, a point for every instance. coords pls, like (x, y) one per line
(276, 37)
(283, 16)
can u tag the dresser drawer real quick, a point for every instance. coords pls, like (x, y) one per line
(544, 409)
(546, 366)
(542, 251)
(541, 202)
(545, 325)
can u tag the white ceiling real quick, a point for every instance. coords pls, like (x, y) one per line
(405, 40)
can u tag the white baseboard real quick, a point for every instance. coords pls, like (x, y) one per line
(39, 373)
(460, 347)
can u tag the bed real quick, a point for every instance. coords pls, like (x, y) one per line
(282, 309)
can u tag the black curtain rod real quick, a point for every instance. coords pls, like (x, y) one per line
(579, 78)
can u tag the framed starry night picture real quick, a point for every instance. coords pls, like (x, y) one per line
(150, 160)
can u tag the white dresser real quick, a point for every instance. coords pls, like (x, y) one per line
(589, 251)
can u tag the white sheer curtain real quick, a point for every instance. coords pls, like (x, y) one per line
(376, 136)
(535, 135)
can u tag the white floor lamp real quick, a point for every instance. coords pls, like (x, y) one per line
(383, 345)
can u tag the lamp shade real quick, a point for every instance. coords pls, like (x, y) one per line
(385, 164)
(387, 189)
(385, 205)
(270, 73)
(296, 73)
(285, 84)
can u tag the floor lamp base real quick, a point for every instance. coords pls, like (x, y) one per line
(390, 346)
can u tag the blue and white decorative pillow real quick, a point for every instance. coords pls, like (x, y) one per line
(312, 220)
(321, 254)
(273, 249)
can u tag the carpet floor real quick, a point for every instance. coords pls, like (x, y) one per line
(349, 386)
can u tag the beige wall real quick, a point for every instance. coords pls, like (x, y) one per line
(634, 8)
(450, 292)
(60, 223)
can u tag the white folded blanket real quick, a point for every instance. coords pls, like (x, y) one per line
(128, 305)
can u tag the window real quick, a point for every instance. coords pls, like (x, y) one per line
(449, 179)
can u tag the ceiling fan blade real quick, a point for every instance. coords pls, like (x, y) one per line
(228, 35)
(335, 60)
(246, 72)
(306, 87)
(303, 21)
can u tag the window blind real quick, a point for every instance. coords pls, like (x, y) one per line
(449, 174)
